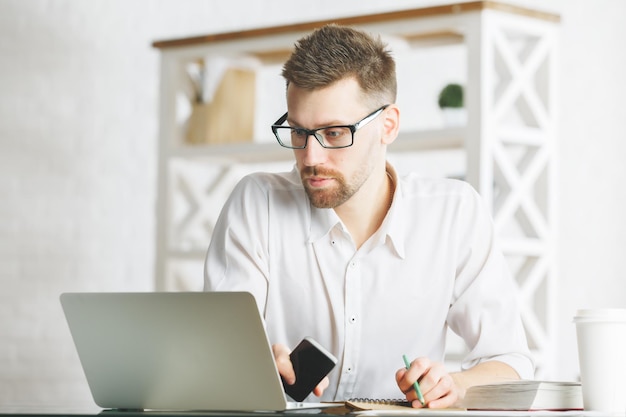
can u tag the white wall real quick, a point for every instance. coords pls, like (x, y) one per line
(78, 129)
(592, 247)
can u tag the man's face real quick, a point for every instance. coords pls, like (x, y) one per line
(332, 176)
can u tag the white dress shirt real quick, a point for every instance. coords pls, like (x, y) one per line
(433, 263)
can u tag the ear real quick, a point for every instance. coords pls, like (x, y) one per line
(391, 124)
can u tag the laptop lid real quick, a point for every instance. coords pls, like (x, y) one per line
(174, 351)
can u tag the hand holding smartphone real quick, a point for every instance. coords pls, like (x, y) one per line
(311, 363)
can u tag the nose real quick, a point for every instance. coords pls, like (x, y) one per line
(314, 153)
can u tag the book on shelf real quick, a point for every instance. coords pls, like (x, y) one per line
(524, 395)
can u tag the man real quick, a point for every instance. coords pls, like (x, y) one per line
(370, 264)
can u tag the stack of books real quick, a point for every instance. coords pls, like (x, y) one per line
(526, 395)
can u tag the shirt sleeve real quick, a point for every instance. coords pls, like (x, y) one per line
(485, 309)
(237, 257)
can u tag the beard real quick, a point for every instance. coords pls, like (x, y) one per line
(328, 197)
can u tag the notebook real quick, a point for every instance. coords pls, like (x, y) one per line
(176, 351)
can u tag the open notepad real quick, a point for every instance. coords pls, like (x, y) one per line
(393, 407)
(361, 404)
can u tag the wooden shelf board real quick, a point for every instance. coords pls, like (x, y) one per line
(424, 12)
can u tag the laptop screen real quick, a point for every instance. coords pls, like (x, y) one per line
(174, 351)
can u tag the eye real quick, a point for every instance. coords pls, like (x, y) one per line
(335, 133)
(332, 133)
(298, 132)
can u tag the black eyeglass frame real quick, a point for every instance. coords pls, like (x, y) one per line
(278, 124)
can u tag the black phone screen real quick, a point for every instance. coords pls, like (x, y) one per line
(311, 363)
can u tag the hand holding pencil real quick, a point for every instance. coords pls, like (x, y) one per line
(427, 384)
(416, 385)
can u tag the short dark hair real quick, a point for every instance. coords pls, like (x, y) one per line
(332, 53)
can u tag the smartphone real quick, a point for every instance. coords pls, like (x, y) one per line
(311, 363)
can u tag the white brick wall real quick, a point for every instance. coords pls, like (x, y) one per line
(78, 129)
(76, 183)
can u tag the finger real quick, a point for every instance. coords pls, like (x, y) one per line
(419, 367)
(443, 388)
(439, 389)
(407, 387)
(321, 387)
(418, 404)
(420, 370)
(404, 382)
(449, 400)
(283, 363)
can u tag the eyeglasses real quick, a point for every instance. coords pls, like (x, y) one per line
(330, 137)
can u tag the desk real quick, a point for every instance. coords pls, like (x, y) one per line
(58, 411)
(49, 411)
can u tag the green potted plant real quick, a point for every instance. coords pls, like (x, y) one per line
(451, 103)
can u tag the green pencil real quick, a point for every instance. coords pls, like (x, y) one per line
(415, 384)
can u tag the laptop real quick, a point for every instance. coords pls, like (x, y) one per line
(176, 351)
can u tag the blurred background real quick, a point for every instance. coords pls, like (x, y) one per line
(79, 129)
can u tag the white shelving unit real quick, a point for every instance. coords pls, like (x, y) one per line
(507, 147)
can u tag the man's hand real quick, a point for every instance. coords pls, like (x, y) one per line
(437, 385)
(285, 369)
(442, 389)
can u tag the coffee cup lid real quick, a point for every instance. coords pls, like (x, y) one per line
(601, 314)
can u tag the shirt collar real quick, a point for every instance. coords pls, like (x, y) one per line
(322, 222)
(392, 229)
(393, 225)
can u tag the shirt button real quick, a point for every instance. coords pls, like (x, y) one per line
(349, 369)
(353, 319)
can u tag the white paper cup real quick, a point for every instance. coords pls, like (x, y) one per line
(601, 335)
